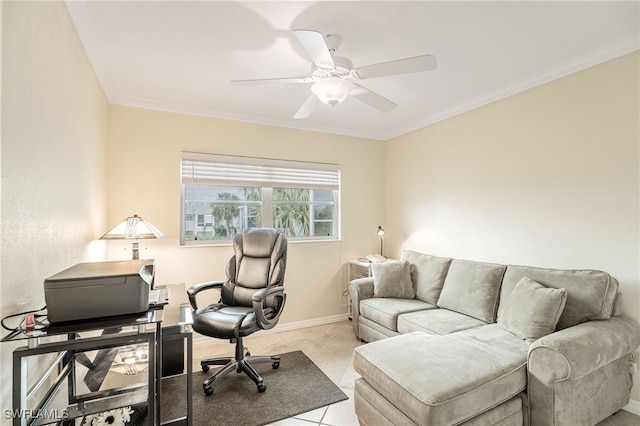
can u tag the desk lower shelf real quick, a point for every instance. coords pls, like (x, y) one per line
(65, 398)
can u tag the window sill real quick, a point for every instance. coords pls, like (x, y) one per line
(228, 243)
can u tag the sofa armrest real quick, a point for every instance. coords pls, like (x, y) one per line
(577, 351)
(359, 289)
(580, 375)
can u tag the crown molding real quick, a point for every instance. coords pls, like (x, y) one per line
(611, 51)
(199, 110)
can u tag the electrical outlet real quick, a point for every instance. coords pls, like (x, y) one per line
(634, 357)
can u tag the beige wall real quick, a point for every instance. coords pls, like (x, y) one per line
(144, 178)
(548, 177)
(53, 143)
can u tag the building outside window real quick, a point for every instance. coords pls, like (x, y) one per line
(222, 195)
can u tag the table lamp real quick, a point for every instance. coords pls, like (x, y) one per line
(381, 233)
(133, 228)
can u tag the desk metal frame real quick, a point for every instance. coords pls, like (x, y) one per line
(149, 332)
(94, 402)
(176, 325)
(147, 329)
(184, 333)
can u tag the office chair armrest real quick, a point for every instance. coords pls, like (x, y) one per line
(258, 300)
(197, 288)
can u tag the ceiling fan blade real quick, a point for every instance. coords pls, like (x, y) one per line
(372, 99)
(400, 66)
(307, 108)
(271, 80)
(316, 47)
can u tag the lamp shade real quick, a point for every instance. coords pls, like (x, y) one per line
(133, 228)
(332, 90)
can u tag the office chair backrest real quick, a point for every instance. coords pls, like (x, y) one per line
(259, 261)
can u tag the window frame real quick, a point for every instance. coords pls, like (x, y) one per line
(256, 172)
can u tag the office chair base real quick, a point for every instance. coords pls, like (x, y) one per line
(241, 364)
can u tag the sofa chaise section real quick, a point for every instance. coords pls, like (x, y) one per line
(442, 380)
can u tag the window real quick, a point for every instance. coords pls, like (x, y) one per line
(222, 195)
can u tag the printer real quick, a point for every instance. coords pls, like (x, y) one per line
(99, 289)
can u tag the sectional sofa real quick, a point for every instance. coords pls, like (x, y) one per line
(461, 342)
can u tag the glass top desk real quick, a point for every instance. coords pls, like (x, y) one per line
(97, 367)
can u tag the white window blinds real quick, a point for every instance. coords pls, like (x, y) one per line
(211, 169)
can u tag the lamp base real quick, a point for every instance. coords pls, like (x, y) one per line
(135, 255)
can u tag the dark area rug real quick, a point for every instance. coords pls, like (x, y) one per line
(296, 387)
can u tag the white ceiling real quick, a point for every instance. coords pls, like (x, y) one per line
(180, 56)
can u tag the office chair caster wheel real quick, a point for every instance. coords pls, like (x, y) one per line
(275, 365)
(208, 390)
(262, 387)
(247, 353)
(205, 368)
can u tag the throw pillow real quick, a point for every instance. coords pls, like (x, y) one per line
(392, 279)
(532, 310)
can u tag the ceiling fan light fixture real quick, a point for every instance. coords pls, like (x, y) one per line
(332, 90)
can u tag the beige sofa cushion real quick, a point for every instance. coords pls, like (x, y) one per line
(436, 321)
(472, 288)
(532, 310)
(392, 279)
(591, 294)
(386, 311)
(427, 273)
(443, 380)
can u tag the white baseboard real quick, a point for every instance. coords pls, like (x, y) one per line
(308, 323)
(297, 325)
(632, 407)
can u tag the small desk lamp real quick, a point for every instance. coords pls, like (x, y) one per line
(381, 233)
(133, 228)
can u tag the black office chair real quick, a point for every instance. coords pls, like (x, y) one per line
(251, 299)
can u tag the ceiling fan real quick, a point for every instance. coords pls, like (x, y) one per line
(334, 77)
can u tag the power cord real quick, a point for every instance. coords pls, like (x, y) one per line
(30, 320)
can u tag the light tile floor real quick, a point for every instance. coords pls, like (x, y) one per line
(621, 418)
(330, 347)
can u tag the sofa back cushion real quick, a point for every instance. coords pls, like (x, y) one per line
(591, 294)
(472, 288)
(427, 274)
